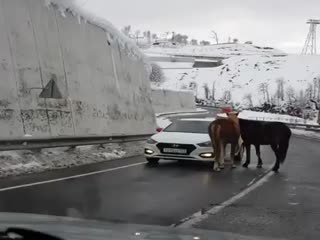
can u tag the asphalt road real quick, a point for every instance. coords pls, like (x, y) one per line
(159, 195)
(286, 205)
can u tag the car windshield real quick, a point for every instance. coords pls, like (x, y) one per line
(188, 127)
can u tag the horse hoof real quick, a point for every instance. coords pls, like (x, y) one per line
(245, 165)
(233, 166)
(222, 167)
(275, 169)
(217, 170)
(259, 166)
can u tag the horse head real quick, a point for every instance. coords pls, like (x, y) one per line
(233, 116)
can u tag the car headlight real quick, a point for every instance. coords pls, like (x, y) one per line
(151, 141)
(205, 144)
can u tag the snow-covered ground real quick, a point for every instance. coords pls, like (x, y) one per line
(221, 50)
(243, 72)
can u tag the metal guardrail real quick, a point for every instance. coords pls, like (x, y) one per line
(39, 143)
(177, 113)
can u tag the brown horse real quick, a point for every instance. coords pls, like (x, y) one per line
(223, 132)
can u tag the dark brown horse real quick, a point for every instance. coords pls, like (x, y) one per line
(275, 134)
(223, 132)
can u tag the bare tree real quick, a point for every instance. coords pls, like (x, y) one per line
(213, 91)
(264, 89)
(291, 95)
(206, 91)
(309, 91)
(137, 35)
(194, 42)
(127, 30)
(214, 35)
(315, 87)
(204, 43)
(147, 35)
(317, 81)
(156, 75)
(302, 100)
(227, 96)
(280, 89)
(273, 100)
(181, 38)
(248, 98)
(154, 36)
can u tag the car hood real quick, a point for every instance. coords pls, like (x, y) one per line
(77, 229)
(181, 138)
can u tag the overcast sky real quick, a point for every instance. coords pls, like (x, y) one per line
(277, 23)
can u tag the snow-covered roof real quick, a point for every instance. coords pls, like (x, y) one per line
(125, 43)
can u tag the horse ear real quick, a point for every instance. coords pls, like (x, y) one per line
(228, 114)
(237, 114)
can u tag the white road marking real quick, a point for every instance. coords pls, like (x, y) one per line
(199, 217)
(70, 177)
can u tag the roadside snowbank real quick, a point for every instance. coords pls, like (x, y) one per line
(308, 134)
(270, 117)
(13, 163)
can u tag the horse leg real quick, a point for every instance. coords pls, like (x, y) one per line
(259, 156)
(233, 152)
(248, 151)
(217, 160)
(276, 151)
(223, 155)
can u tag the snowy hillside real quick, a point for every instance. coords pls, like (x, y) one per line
(244, 74)
(222, 50)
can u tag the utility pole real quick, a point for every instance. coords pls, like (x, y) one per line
(310, 46)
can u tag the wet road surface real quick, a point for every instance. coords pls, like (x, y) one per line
(160, 195)
(286, 206)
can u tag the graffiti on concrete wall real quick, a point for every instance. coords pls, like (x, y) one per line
(64, 77)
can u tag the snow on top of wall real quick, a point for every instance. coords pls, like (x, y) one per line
(126, 44)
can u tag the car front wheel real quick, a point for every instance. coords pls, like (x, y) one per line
(153, 160)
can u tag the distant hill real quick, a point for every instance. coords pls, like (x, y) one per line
(246, 70)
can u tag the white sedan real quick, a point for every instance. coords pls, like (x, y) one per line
(185, 139)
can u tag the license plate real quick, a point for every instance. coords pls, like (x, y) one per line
(175, 150)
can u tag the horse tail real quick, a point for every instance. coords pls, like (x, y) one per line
(284, 146)
(217, 140)
(211, 134)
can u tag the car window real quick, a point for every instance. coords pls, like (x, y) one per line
(188, 127)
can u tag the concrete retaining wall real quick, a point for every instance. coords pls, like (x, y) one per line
(172, 101)
(98, 88)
